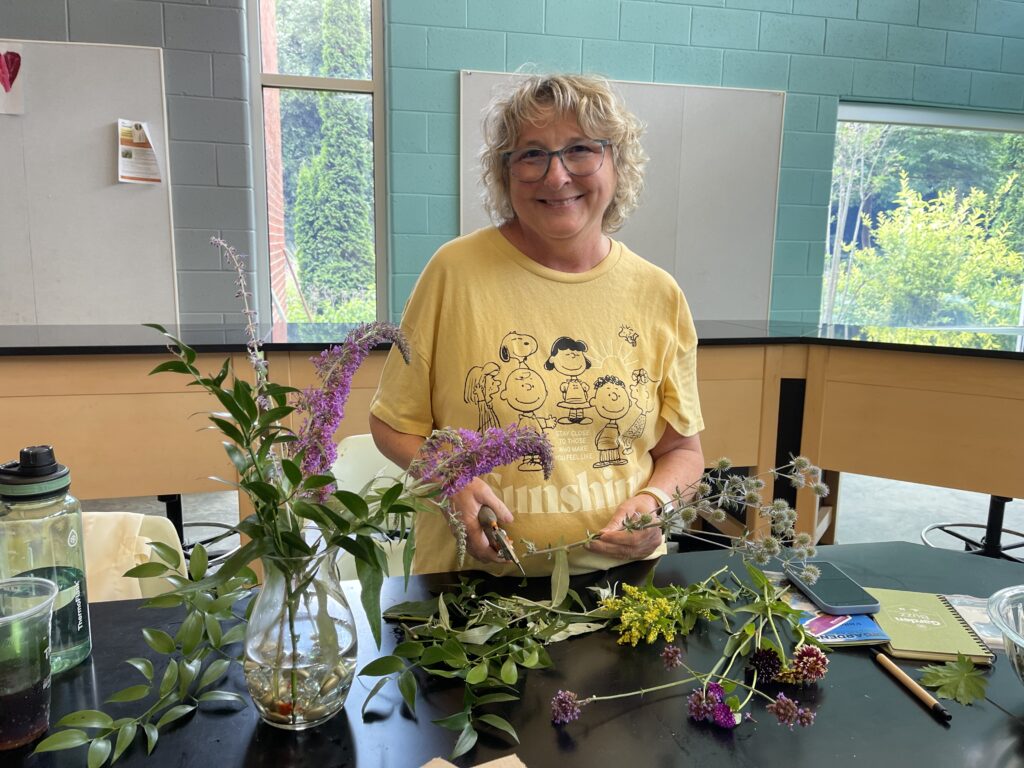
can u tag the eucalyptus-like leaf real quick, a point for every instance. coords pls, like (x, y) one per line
(125, 736)
(198, 563)
(146, 570)
(407, 687)
(455, 722)
(131, 693)
(238, 457)
(174, 713)
(145, 666)
(152, 734)
(442, 612)
(228, 429)
(237, 412)
(467, 740)
(373, 692)
(385, 665)
(371, 578)
(222, 696)
(214, 672)
(168, 600)
(213, 630)
(62, 740)
(171, 366)
(409, 650)
(98, 753)
(190, 633)
(501, 724)
(87, 718)
(559, 578)
(477, 674)
(494, 698)
(169, 680)
(509, 672)
(242, 392)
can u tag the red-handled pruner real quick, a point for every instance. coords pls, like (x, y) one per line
(497, 537)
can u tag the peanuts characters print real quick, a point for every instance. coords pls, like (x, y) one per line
(577, 394)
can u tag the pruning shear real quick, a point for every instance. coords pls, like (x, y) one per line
(497, 536)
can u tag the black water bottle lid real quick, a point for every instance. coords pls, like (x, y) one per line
(34, 475)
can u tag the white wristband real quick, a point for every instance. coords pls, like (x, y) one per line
(663, 499)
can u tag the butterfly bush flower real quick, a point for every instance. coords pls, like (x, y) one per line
(237, 262)
(452, 458)
(324, 406)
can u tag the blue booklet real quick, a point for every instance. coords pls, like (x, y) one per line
(858, 629)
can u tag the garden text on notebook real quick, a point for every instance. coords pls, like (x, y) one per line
(923, 626)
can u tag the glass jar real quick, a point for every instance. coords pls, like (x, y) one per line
(41, 536)
(300, 642)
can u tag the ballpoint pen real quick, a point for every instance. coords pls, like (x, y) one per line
(934, 706)
(497, 536)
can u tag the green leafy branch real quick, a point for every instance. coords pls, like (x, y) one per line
(199, 656)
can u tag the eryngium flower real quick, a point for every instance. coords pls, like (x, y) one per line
(565, 707)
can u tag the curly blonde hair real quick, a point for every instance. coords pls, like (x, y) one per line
(601, 114)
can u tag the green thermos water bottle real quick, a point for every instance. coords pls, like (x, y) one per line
(41, 535)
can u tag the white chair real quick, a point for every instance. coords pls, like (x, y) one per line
(358, 464)
(118, 541)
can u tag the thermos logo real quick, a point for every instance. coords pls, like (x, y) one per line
(72, 538)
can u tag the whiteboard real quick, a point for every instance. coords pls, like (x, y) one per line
(77, 247)
(708, 210)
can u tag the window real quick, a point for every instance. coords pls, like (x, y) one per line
(926, 227)
(319, 73)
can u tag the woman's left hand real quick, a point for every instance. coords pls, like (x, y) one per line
(628, 545)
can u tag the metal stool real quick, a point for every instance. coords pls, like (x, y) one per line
(991, 543)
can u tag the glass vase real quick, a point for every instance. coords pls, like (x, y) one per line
(300, 643)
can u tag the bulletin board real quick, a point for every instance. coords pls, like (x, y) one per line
(708, 210)
(76, 246)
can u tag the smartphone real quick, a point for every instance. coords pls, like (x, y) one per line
(834, 592)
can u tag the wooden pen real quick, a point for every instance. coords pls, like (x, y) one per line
(940, 712)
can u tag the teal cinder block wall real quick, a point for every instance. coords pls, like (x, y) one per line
(950, 53)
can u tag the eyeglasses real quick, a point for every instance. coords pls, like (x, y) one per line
(582, 158)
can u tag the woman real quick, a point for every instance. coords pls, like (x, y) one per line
(562, 168)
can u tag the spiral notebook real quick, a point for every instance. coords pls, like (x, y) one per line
(925, 627)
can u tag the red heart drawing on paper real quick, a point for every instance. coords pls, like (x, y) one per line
(10, 65)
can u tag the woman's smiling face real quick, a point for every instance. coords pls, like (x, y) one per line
(562, 207)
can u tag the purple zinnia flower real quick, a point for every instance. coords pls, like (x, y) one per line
(672, 657)
(565, 707)
(325, 406)
(809, 664)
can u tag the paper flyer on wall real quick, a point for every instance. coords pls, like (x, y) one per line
(136, 158)
(12, 80)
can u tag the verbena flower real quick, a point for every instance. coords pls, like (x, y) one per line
(672, 656)
(701, 707)
(324, 406)
(789, 712)
(565, 707)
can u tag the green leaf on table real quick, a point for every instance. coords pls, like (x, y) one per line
(455, 722)
(169, 680)
(152, 734)
(559, 578)
(478, 635)
(477, 674)
(385, 665)
(373, 692)
(174, 713)
(409, 649)
(494, 698)
(407, 687)
(131, 693)
(501, 724)
(190, 633)
(467, 740)
(959, 680)
(125, 736)
(213, 630)
(231, 696)
(145, 666)
(87, 718)
(62, 740)
(99, 751)
(158, 640)
(214, 672)
(164, 601)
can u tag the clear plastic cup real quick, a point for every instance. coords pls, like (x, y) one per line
(26, 607)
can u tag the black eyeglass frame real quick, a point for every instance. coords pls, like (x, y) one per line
(549, 153)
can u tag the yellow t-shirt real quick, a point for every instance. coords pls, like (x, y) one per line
(600, 361)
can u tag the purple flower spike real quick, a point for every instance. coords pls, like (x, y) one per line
(453, 457)
(565, 707)
(789, 712)
(324, 407)
(701, 708)
(672, 657)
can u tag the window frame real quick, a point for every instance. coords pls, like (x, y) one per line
(374, 87)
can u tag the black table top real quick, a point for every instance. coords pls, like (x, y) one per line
(864, 717)
(311, 337)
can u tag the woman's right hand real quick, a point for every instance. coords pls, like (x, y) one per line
(466, 506)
